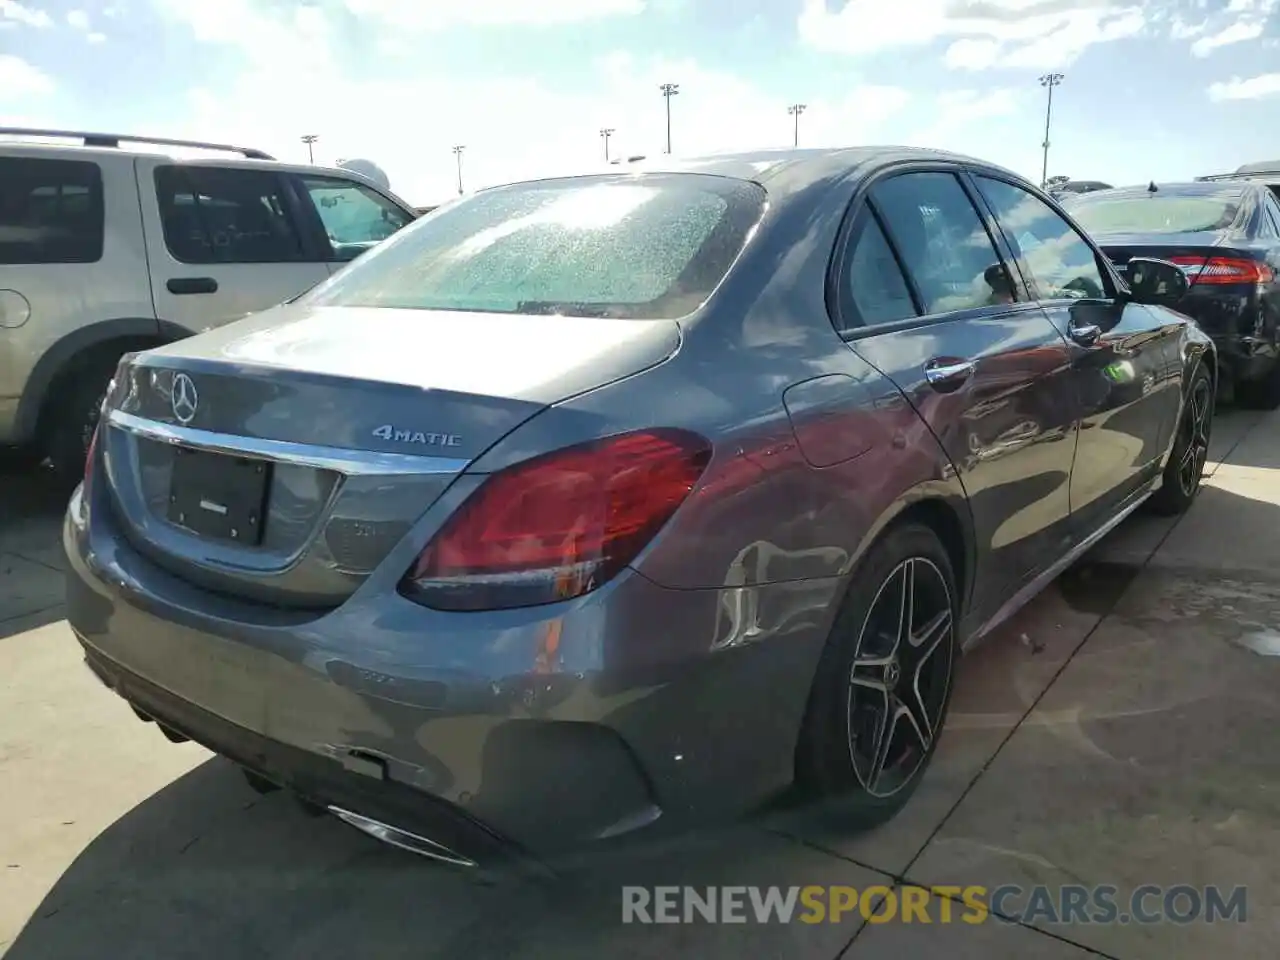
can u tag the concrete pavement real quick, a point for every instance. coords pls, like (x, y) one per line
(1119, 731)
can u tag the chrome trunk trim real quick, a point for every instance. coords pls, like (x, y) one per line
(337, 459)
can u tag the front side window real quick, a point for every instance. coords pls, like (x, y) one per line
(1062, 264)
(51, 211)
(222, 215)
(355, 217)
(636, 247)
(942, 241)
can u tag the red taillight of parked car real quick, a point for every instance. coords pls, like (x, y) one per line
(1222, 270)
(558, 525)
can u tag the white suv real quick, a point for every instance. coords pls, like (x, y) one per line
(105, 250)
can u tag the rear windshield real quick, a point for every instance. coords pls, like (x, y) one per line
(1154, 213)
(630, 247)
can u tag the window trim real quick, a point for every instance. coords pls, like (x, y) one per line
(838, 293)
(98, 207)
(315, 222)
(1111, 280)
(306, 252)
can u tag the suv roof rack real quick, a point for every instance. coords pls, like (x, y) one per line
(115, 139)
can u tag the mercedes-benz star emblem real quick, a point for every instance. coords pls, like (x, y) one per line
(185, 398)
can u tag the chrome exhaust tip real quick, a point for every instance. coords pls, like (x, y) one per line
(403, 839)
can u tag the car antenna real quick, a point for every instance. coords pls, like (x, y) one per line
(1152, 188)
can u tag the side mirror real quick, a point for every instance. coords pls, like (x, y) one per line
(1158, 283)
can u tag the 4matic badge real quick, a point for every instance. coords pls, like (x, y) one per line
(389, 432)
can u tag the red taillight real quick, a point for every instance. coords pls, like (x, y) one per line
(558, 525)
(1224, 270)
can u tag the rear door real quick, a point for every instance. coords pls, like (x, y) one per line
(1124, 356)
(224, 241)
(926, 297)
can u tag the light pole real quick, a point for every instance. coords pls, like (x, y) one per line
(795, 110)
(1049, 80)
(457, 152)
(310, 139)
(605, 134)
(669, 90)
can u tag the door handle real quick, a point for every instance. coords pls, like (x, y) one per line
(947, 373)
(183, 286)
(1086, 335)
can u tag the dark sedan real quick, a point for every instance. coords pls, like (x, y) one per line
(1226, 237)
(592, 506)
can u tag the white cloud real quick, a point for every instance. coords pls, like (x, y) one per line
(15, 12)
(78, 19)
(984, 33)
(1238, 32)
(437, 14)
(18, 78)
(96, 37)
(1253, 88)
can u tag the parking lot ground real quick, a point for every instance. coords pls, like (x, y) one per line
(1119, 731)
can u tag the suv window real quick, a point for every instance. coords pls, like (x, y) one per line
(1271, 209)
(877, 289)
(50, 211)
(355, 217)
(635, 247)
(222, 215)
(942, 241)
(1062, 264)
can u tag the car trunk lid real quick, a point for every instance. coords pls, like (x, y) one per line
(282, 457)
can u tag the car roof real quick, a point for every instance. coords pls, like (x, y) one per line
(790, 170)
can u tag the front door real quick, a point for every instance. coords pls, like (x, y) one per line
(930, 302)
(224, 241)
(1124, 357)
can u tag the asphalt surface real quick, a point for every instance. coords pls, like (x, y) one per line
(1120, 732)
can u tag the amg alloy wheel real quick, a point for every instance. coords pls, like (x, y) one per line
(1183, 473)
(882, 690)
(900, 676)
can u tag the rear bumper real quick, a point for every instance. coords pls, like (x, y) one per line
(1245, 358)
(533, 731)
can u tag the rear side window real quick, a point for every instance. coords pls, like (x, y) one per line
(942, 241)
(628, 247)
(220, 215)
(877, 289)
(50, 211)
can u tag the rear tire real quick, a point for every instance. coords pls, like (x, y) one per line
(72, 413)
(1183, 472)
(888, 668)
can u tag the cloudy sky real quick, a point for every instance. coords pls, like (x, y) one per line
(1154, 88)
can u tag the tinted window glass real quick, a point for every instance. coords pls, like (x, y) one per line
(1154, 213)
(877, 289)
(354, 216)
(219, 215)
(1272, 210)
(942, 242)
(634, 247)
(50, 211)
(1061, 263)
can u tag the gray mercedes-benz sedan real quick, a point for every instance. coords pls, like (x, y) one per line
(587, 506)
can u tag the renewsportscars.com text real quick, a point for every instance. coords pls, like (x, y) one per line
(1067, 904)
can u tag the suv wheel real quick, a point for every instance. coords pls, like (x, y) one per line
(73, 416)
(1183, 472)
(884, 683)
